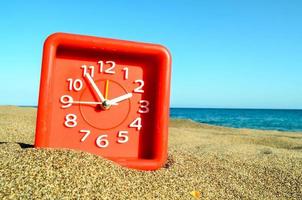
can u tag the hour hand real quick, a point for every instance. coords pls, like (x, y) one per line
(95, 88)
(119, 99)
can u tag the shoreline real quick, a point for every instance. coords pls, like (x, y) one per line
(229, 127)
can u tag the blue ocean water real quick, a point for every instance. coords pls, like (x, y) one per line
(265, 119)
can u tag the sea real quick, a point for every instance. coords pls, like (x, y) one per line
(263, 119)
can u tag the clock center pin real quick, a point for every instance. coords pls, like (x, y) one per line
(106, 105)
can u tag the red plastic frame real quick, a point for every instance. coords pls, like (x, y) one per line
(125, 47)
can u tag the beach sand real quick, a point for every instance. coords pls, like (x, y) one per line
(215, 162)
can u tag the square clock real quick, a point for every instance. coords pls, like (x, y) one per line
(107, 97)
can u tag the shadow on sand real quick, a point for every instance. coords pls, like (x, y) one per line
(22, 145)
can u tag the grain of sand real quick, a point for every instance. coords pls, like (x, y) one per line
(218, 162)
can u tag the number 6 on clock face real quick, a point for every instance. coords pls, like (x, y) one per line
(107, 97)
(102, 141)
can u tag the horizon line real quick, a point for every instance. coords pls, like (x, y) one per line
(183, 107)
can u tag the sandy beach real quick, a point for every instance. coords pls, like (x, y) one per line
(215, 162)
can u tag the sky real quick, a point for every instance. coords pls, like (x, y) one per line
(226, 53)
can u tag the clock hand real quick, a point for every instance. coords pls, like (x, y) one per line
(96, 89)
(89, 102)
(119, 99)
(106, 89)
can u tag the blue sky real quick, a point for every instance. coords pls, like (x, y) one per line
(245, 54)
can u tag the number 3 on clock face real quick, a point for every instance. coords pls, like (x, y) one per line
(110, 103)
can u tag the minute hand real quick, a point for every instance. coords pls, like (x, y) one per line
(96, 89)
(121, 98)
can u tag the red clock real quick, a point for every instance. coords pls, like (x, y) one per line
(108, 97)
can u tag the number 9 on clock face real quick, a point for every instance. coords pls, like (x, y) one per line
(107, 97)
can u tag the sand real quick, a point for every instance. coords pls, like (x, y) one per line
(207, 161)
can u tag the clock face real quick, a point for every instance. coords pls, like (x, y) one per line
(106, 104)
(107, 97)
